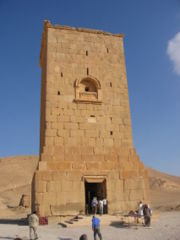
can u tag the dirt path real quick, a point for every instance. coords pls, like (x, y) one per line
(167, 227)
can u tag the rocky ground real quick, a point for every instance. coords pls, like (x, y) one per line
(165, 227)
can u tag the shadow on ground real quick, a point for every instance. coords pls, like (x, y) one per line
(21, 221)
(122, 224)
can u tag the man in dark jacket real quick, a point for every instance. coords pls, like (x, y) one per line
(147, 215)
(96, 227)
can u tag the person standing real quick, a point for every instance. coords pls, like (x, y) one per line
(96, 227)
(140, 212)
(140, 208)
(105, 205)
(94, 205)
(100, 207)
(147, 216)
(33, 221)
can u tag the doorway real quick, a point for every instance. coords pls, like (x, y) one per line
(94, 189)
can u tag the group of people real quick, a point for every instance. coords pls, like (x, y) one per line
(33, 221)
(144, 212)
(99, 206)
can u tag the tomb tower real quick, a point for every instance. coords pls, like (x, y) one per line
(86, 145)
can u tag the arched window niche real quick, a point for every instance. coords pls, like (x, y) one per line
(87, 90)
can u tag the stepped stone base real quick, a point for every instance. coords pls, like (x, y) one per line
(60, 185)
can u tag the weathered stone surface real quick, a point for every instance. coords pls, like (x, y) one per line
(86, 130)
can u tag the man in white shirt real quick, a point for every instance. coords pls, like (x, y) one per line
(140, 211)
(100, 207)
(33, 224)
(105, 205)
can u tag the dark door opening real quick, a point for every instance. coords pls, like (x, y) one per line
(95, 189)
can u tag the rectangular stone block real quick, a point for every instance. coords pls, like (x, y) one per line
(49, 141)
(54, 186)
(75, 175)
(75, 133)
(75, 119)
(59, 165)
(108, 142)
(78, 165)
(92, 166)
(107, 165)
(59, 150)
(87, 157)
(46, 175)
(42, 166)
(91, 133)
(72, 141)
(58, 175)
(58, 157)
(99, 150)
(40, 186)
(39, 198)
(111, 157)
(70, 125)
(66, 186)
(48, 150)
(72, 157)
(73, 149)
(92, 141)
(63, 133)
(50, 132)
(99, 157)
(59, 141)
(46, 157)
(87, 150)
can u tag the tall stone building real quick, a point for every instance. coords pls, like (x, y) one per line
(86, 145)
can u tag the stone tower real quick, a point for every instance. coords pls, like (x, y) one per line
(86, 145)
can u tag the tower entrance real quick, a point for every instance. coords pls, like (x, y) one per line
(95, 188)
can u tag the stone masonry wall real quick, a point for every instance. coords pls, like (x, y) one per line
(85, 138)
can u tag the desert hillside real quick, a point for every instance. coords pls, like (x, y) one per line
(164, 190)
(15, 180)
(16, 175)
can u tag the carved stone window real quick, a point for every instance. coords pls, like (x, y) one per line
(88, 90)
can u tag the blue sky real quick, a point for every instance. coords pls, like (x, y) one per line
(152, 51)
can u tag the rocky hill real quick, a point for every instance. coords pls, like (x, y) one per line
(164, 190)
(15, 180)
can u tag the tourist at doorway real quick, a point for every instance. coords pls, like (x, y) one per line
(100, 207)
(94, 205)
(33, 221)
(96, 227)
(105, 205)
